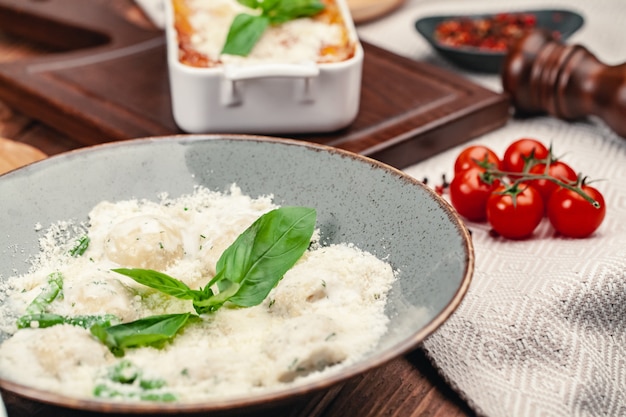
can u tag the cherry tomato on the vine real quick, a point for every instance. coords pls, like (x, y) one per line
(574, 216)
(516, 153)
(515, 219)
(469, 156)
(469, 193)
(557, 169)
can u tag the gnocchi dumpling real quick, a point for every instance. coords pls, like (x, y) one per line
(145, 241)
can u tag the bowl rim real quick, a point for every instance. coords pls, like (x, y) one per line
(280, 396)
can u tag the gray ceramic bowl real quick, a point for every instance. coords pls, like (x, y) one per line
(358, 200)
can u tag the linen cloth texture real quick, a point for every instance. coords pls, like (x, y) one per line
(542, 329)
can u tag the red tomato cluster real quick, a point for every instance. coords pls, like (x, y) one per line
(514, 193)
(491, 33)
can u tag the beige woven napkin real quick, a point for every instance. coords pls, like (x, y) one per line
(542, 330)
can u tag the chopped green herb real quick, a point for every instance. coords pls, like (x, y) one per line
(49, 293)
(125, 380)
(43, 320)
(81, 246)
(124, 372)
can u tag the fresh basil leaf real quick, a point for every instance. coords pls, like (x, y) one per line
(252, 4)
(81, 246)
(43, 320)
(244, 33)
(267, 6)
(264, 252)
(161, 282)
(287, 10)
(49, 293)
(246, 29)
(149, 331)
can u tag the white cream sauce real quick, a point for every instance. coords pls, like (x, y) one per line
(326, 313)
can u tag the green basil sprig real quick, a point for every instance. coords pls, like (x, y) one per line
(246, 29)
(249, 268)
(245, 274)
(150, 331)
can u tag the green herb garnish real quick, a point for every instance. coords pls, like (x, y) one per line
(150, 331)
(81, 246)
(37, 315)
(125, 380)
(247, 29)
(245, 274)
(249, 268)
(43, 320)
(49, 293)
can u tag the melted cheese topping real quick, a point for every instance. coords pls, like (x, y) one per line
(202, 27)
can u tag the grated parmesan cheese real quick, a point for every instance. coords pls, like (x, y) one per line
(325, 314)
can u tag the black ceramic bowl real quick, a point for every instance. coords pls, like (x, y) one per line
(565, 22)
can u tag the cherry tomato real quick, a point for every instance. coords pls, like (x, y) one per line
(470, 155)
(469, 193)
(559, 170)
(517, 152)
(515, 220)
(572, 215)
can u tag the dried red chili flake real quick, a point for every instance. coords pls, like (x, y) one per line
(492, 33)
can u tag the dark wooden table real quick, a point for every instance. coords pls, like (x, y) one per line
(407, 386)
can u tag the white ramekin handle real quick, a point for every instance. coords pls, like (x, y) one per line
(249, 72)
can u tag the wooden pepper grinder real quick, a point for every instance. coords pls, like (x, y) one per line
(542, 75)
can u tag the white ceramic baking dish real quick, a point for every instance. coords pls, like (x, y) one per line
(264, 98)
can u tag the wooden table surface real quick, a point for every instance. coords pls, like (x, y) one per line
(407, 386)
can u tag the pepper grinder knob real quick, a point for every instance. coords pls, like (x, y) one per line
(542, 75)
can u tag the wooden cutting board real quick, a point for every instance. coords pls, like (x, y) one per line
(109, 82)
(15, 154)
